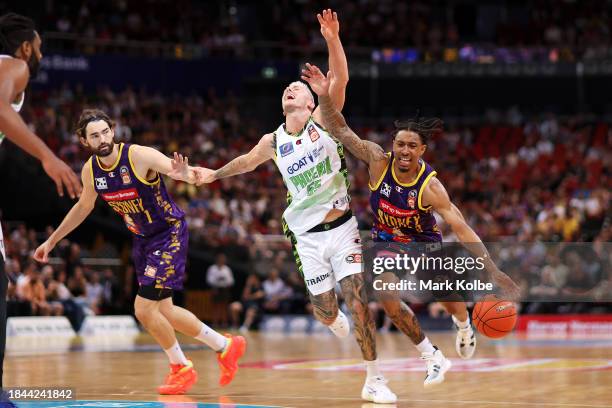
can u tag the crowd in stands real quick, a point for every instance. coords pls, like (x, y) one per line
(65, 286)
(421, 24)
(544, 178)
(516, 178)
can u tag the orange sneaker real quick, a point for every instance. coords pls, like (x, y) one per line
(180, 379)
(228, 359)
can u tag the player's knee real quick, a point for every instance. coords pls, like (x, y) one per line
(392, 308)
(144, 314)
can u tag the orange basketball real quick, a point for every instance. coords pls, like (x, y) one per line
(494, 317)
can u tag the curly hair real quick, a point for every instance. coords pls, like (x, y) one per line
(424, 127)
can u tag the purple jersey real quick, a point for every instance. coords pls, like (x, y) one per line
(145, 206)
(158, 224)
(400, 215)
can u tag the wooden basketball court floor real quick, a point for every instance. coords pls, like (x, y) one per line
(320, 370)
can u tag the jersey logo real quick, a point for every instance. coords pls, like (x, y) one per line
(286, 149)
(121, 195)
(312, 132)
(399, 189)
(111, 174)
(386, 189)
(412, 198)
(101, 183)
(150, 271)
(125, 175)
(389, 208)
(353, 258)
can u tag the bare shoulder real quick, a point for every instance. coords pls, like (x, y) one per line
(267, 144)
(87, 172)
(18, 71)
(267, 138)
(139, 152)
(14, 67)
(435, 186)
(435, 193)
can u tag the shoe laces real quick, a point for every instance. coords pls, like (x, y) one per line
(466, 333)
(433, 363)
(379, 379)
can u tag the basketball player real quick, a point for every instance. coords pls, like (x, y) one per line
(405, 192)
(318, 219)
(19, 61)
(128, 178)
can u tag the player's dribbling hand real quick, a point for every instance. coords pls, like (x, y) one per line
(315, 78)
(42, 252)
(511, 291)
(330, 27)
(63, 176)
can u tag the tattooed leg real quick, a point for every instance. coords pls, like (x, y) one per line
(404, 319)
(353, 288)
(325, 307)
(399, 312)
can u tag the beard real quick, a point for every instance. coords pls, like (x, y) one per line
(34, 66)
(104, 149)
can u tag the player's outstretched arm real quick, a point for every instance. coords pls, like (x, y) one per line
(263, 151)
(330, 29)
(435, 195)
(334, 121)
(146, 158)
(15, 76)
(74, 218)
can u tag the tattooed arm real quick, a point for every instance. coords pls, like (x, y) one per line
(263, 151)
(371, 153)
(335, 123)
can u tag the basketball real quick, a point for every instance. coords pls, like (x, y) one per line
(494, 317)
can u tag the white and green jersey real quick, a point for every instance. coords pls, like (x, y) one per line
(16, 105)
(314, 170)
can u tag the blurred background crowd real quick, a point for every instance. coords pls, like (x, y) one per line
(519, 174)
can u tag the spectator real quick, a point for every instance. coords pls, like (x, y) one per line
(94, 291)
(58, 292)
(221, 279)
(278, 294)
(33, 291)
(251, 303)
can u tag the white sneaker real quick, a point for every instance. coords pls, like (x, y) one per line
(465, 343)
(437, 365)
(341, 326)
(375, 390)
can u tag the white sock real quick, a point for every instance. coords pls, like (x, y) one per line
(213, 339)
(460, 324)
(175, 354)
(372, 369)
(425, 346)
